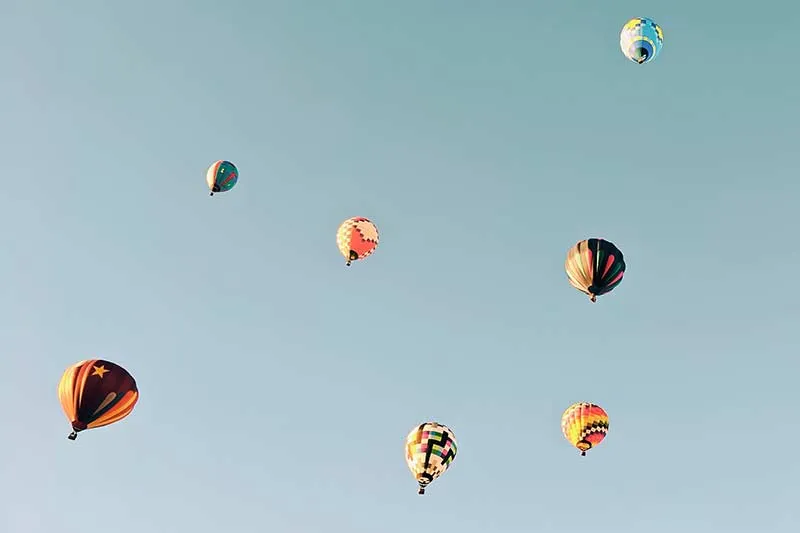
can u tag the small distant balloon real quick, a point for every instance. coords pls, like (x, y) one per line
(594, 267)
(221, 176)
(641, 40)
(357, 238)
(95, 393)
(430, 450)
(584, 425)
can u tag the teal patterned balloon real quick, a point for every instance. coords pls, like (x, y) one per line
(222, 176)
(641, 40)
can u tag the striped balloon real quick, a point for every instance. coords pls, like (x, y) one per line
(641, 40)
(95, 393)
(430, 450)
(594, 267)
(221, 176)
(584, 425)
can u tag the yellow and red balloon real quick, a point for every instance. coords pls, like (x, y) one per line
(584, 425)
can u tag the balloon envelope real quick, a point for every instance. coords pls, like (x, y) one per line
(641, 40)
(594, 267)
(430, 450)
(584, 425)
(221, 176)
(357, 238)
(96, 393)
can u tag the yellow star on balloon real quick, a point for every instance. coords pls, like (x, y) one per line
(99, 371)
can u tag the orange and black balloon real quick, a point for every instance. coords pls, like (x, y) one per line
(96, 393)
(595, 267)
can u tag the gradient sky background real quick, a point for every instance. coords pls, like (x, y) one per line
(484, 138)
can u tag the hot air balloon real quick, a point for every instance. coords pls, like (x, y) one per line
(430, 450)
(96, 393)
(641, 40)
(584, 425)
(357, 238)
(594, 266)
(221, 176)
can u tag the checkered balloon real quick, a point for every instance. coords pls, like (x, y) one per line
(430, 450)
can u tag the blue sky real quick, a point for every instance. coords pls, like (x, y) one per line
(484, 139)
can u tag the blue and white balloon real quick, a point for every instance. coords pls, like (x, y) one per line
(641, 40)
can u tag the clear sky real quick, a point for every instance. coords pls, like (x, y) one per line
(484, 138)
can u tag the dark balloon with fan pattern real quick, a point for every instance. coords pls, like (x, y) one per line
(595, 267)
(95, 393)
